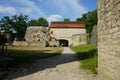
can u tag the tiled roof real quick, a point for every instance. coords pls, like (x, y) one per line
(67, 25)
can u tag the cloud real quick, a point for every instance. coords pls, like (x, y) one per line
(69, 5)
(25, 10)
(54, 18)
(76, 6)
(42, 8)
(66, 8)
(7, 9)
(28, 7)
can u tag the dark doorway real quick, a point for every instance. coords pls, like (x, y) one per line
(63, 42)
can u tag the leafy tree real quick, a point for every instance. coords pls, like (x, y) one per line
(20, 24)
(16, 22)
(32, 22)
(40, 22)
(83, 18)
(66, 20)
(90, 19)
(5, 23)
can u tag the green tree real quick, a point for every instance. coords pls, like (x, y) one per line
(83, 18)
(32, 22)
(66, 20)
(42, 22)
(5, 23)
(20, 24)
(90, 19)
(39, 22)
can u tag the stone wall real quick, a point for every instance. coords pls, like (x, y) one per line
(79, 39)
(67, 33)
(109, 39)
(37, 36)
(93, 39)
(20, 43)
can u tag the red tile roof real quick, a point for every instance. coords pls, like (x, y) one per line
(67, 25)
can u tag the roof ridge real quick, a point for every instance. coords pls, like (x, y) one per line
(67, 25)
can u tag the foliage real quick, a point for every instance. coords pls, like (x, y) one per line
(6, 23)
(90, 19)
(32, 22)
(40, 22)
(66, 20)
(19, 24)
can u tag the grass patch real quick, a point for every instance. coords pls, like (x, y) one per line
(90, 63)
(20, 55)
(87, 54)
(85, 51)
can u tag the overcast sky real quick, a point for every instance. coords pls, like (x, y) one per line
(52, 10)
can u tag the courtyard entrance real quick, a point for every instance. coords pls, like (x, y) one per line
(63, 42)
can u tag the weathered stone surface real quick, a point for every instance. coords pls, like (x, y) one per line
(68, 34)
(53, 42)
(20, 43)
(36, 36)
(93, 39)
(109, 39)
(79, 39)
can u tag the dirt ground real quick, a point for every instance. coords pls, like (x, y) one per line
(62, 67)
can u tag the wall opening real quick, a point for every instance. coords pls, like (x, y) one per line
(63, 42)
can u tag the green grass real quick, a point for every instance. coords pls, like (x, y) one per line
(85, 51)
(21, 55)
(87, 54)
(90, 63)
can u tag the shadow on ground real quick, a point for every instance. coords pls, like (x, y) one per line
(32, 65)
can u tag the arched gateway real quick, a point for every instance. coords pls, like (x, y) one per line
(63, 42)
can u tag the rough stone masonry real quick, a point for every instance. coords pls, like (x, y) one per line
(109, 39)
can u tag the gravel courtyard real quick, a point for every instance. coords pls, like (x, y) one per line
(63, 67)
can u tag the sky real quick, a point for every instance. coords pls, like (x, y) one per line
(52, 10)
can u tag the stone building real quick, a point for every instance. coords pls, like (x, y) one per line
(109, 39)
(68, 33)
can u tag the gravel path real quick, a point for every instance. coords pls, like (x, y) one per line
(63, 67)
